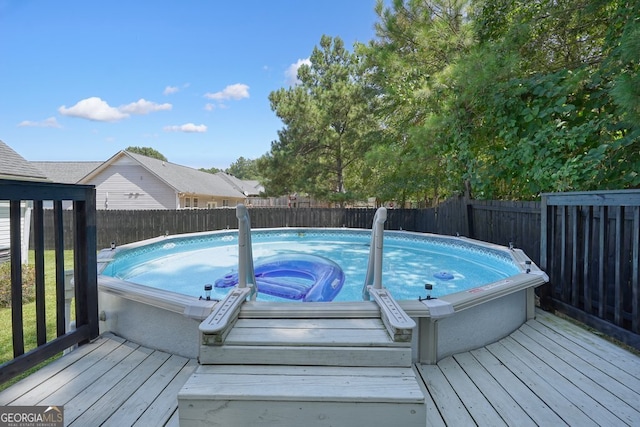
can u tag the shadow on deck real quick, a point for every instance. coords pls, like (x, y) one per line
(548, 372)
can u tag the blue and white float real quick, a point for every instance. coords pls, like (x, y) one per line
(295, 276)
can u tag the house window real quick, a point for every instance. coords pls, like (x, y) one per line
(212, 205)
(225, 203)
(195, 202)
(187, 202)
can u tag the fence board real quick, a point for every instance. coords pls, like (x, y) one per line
(591, 252)
(635, 271)
(498, 222)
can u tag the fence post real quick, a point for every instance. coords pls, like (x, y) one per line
(469, 213)
(544, 291)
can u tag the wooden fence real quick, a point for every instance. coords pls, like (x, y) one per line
(500, 222)
(590, 249)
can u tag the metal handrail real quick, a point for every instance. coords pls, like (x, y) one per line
(374, 267)
(246, 273)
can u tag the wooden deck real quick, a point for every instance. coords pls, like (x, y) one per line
(549, 372)
(110, 382)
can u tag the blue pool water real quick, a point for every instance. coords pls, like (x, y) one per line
(411, 260)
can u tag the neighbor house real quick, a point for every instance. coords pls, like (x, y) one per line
(15, 167)
(133, 181)
(66, 172)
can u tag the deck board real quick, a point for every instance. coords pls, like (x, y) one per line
(594, 344)
(110, 381)
(100, 411)
(567, 381)
(479, 408)
(533, 405)
(135, 405)
(27, 384)
(549, 372)
(76, 377)
(507, 408)
(75, 407)
(592, 387)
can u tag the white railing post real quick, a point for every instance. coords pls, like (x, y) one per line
(69, 293)
(398, 323)
(246, 274)
(374, 267)
(224, 313)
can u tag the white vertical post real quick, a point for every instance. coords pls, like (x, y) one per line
(374, 268)
(26, 229)
(69, 293)
(246, 274)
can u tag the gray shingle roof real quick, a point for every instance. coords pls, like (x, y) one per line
(66, 172)
(185, 179)
(248, 188)
(14, 166)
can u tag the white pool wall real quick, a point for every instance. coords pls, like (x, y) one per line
(157, 319)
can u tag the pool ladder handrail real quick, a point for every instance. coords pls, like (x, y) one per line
(398, 323)
(246, 272)
(225, 312)
(374, 267)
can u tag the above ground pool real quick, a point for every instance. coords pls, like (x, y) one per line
(185, 264)
(153, 292)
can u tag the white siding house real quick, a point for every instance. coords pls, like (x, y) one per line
(126, 184)
(132, 181)
(15, 167)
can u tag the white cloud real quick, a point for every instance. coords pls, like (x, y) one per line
(235, 92)
(210, 107)
(142, 106)
(51, 122)
(95, 109)
(291, 73)
(188, 127)
(170, 89)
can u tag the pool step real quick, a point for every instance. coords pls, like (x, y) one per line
(307, 341)
(322, 366)
(301, 395)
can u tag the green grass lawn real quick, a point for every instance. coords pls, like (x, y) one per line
(29, 312)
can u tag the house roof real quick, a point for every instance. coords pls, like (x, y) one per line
(248, 188)
(66, 172)
(182, 179)
(14, 166)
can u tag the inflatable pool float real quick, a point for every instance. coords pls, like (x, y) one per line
(310, 278)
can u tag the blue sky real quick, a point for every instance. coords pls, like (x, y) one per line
(81, 80)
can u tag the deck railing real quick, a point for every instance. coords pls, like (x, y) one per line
(590, 247)
(35, 195)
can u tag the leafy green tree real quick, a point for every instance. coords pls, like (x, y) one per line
(532, 108)
(147, 151)
(416, 41)
(211, 170)
(503, 98)
(244, 169)
(326, 119)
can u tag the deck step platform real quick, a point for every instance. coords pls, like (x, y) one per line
(295, 395)
(305, 367)
(316, 342)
